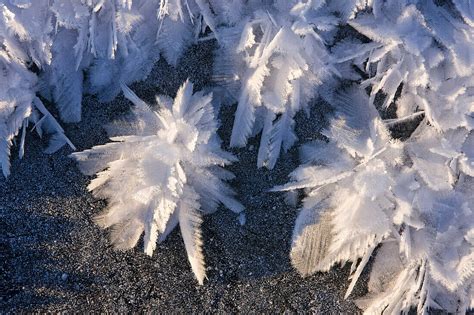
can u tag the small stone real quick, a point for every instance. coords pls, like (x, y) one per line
(64, 276)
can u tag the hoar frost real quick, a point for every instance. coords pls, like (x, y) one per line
(163, 170)
(392, 183)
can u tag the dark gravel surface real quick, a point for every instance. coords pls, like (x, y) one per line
(53, 258)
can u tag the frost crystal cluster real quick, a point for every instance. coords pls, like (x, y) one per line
(163, 170)
(273, 63)
(389, 189)
(375, 190)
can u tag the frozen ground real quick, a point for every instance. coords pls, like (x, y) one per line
(53, 258)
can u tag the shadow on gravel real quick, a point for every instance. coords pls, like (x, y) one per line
(32, 274)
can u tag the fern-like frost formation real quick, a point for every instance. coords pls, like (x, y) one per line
(406, 202)
(164, 170)
(272, 63)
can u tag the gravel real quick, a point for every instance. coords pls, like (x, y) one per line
(53, 258)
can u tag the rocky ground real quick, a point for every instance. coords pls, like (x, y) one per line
(53, 258)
